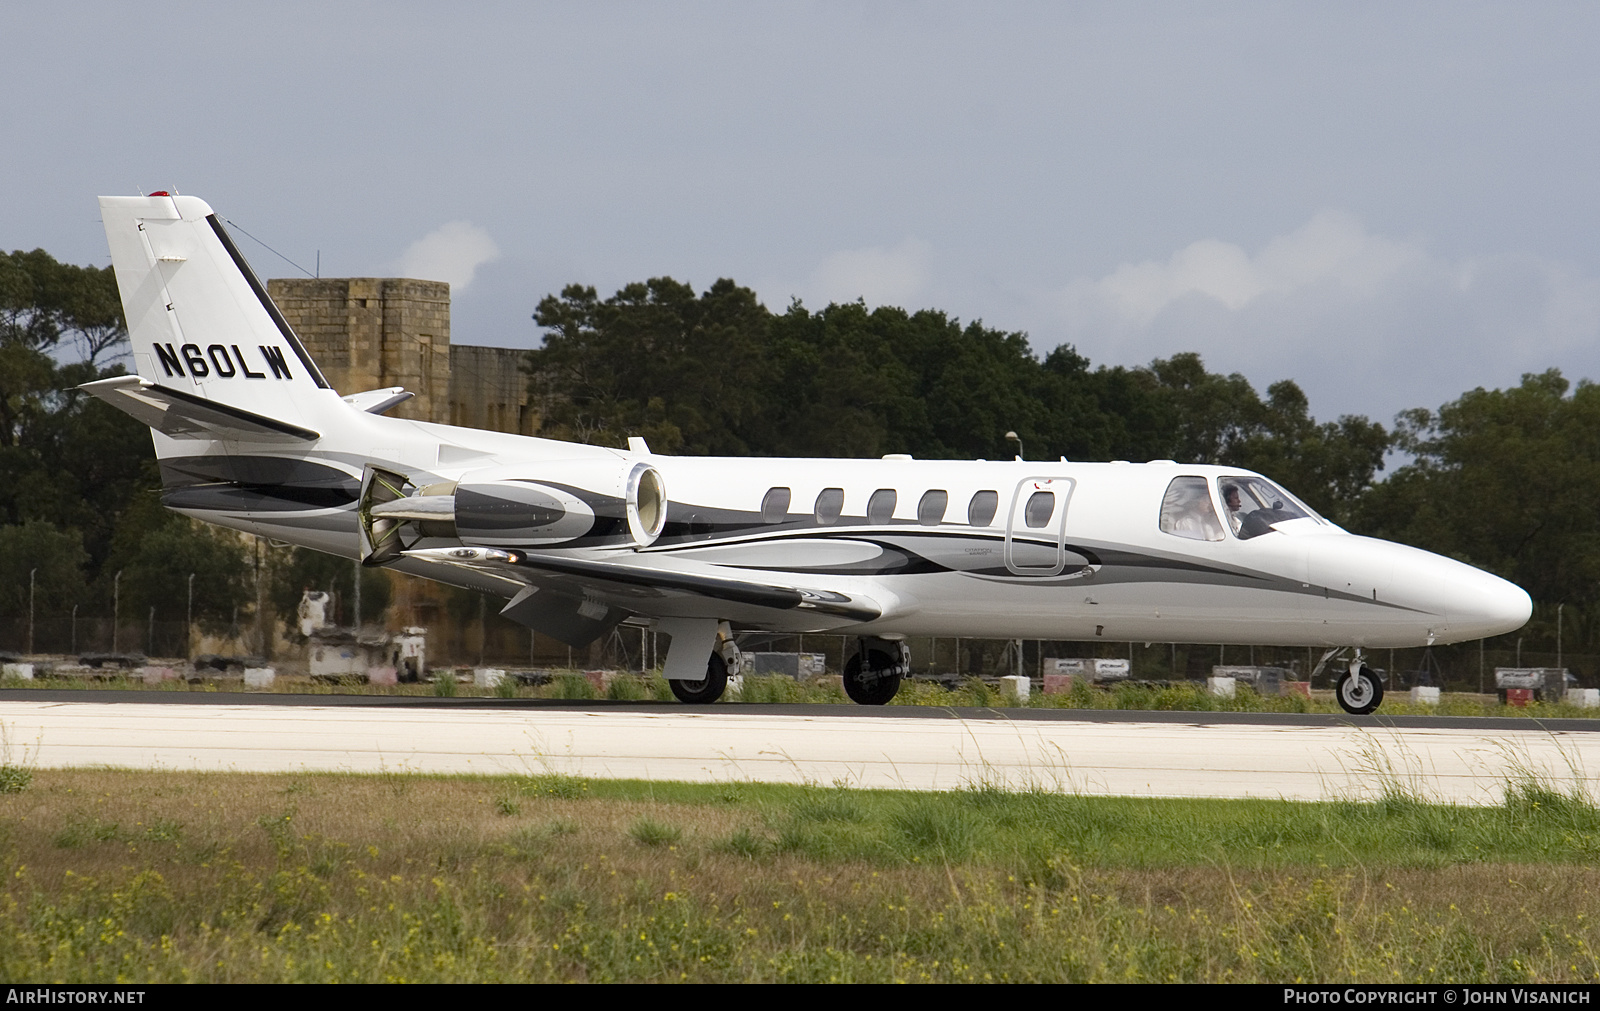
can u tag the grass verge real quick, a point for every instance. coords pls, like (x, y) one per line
(187, 876)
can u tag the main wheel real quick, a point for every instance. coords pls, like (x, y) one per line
(1359, 693)
(876, 684)
(703, 693)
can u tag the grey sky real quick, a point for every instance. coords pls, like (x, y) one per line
(1390, 205)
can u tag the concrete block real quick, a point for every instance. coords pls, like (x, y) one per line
(154, 675)
(1057, 684)
(259, 677)
(1587, 698)
(382, 675)
(21, 671)
(1301, 688)
(488, 677)
(1424, 696)
(1519, 696)
(599, 680)
(1222, 688)
(1018, 686)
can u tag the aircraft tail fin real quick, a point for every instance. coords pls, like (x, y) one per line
(200, 322)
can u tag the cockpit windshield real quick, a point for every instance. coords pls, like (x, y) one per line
(1254, 505)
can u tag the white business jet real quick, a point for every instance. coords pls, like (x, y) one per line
(578, 539)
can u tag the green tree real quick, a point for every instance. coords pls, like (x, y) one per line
(59, 559)
(64, 456)
(847, 381)
(654, 360)
(1504, 479)
(156, 573)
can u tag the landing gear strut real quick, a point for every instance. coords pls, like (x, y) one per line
(872, 677)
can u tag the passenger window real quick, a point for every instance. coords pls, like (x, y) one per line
(930, 511)
(880, 507)
(830, 503)
(981, 510)
(775, 506)
(1186, 510)
(1041, 505)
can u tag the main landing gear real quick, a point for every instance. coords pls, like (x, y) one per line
(725, 661)
(707, 691)
(872, 677)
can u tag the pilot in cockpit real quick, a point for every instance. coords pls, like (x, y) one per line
(1230, 498)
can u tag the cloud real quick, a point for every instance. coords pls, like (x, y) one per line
(1364, 322)
(1332, 248)
(877, 275)
(453, 252)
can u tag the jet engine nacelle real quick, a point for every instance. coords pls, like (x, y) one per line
(527, 507)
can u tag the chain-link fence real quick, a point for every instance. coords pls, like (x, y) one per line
(496, 641)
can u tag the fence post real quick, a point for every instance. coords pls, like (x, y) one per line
(116, 607)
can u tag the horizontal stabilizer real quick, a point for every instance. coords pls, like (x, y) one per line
(378, 401)
(600, 572)
(182, 415)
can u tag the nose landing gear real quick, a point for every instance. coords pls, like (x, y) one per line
(1359, 691)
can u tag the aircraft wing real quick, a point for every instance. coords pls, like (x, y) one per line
(586, 596)
(183, 415)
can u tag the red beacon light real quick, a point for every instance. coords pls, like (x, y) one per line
(161, 193)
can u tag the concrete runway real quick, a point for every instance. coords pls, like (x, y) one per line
(1121, 753)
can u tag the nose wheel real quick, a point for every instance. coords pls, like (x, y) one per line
(1359, 691)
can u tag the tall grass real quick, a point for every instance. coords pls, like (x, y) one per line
(186, 876)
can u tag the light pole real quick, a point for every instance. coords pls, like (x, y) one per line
(116, 607)
(31, 573)
(1014, 437)
(188, 623)
(1558, 635)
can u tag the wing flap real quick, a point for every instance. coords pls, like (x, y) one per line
(634, 580)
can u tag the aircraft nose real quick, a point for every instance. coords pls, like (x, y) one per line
(1484, 605)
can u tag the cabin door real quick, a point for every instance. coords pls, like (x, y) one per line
(1036, 526)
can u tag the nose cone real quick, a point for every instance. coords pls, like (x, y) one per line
(1473, 603)
(1421, 597)
(1482, 605)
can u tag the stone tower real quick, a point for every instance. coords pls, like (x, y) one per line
(371, 332)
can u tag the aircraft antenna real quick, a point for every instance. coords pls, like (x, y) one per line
(234, 224)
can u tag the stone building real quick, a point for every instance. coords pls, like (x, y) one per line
(367, 333)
